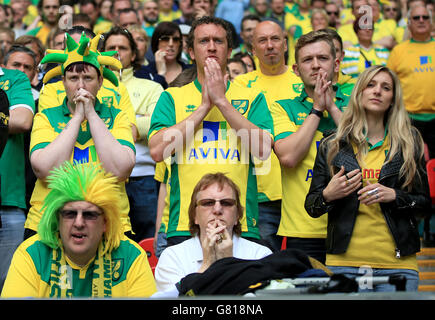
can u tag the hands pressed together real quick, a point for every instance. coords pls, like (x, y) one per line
(215, 84)
(216, 244)
(85, 104)
(323, 93)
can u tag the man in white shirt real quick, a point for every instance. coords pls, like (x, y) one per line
(214, 221)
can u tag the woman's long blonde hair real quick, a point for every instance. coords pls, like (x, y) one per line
(403, 137)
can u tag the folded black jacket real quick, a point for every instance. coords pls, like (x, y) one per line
(235, 276)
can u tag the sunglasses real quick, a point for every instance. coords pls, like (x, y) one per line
(417, 18)
(390, 9)
(208, 203)
(87, 215)
(168, 38)
(332, 12)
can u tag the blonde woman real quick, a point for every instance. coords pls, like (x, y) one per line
(369, 177)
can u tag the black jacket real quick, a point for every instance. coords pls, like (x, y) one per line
(401, 215)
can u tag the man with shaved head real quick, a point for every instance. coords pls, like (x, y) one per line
(277, 81)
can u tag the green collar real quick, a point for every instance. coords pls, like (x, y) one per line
(415, 41)
(199, 87)
(379, 143)
(338, 94)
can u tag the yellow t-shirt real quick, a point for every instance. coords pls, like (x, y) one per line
(214, 148)
(284, 86)
(414, 64)
(49, 123)
(372, 243)
(288, 115)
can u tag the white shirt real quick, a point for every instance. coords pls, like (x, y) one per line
(185, 258)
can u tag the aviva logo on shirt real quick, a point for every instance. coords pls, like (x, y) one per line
(86, 155)
(211, 130)
(425, 62)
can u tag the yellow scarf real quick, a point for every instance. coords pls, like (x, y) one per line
(61, 278)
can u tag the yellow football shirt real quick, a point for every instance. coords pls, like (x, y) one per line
(49, 123)
(214, 147)
(284, 86)
(414, 64)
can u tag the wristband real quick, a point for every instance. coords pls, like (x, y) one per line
(317, 113)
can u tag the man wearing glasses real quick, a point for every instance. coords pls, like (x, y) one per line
(214, 221)
(333, 12)
(414, 63)
(80, 249)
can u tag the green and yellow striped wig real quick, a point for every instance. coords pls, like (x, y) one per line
(84, 51)
(81, 182)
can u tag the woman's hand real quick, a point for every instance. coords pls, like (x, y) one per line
(375, 193)
(342, 184)
(160, 62)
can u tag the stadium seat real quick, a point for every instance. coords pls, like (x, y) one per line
(147, 245)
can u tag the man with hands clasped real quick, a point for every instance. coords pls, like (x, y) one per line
(210, 125)
(82, 128)
(214, 221)
(299, 125)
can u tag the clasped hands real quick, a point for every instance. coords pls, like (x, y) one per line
(84, 104)
(216, 244)
(323, 94)
(214, 85)
(342, 184)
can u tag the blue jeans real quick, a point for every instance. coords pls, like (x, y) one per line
(269, 216)
(11, 236)
(366, 284)
(142, 194)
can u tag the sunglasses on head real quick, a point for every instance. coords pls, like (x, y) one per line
(211, 202)
(417, 18)
(168, 38)
(87, 215)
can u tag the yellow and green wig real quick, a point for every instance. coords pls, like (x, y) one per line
(81, 182)
(85, 51)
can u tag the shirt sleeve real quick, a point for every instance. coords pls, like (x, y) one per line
(122, 130)
(20, 93)
(22, 279)
(140, 278)
(283, 126)
(42, 132)
(163, 115)
(259, 114)
(169, 270)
